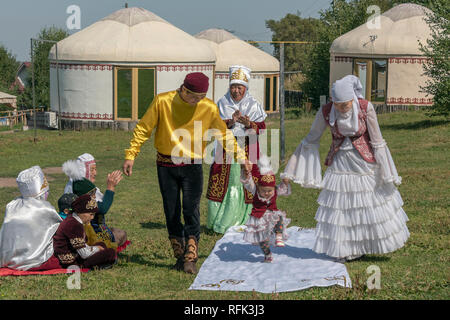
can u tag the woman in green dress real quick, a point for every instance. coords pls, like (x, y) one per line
(229, 202)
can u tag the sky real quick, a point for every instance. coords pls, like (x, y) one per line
(21, 20)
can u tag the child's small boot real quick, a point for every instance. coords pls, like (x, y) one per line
(279, 240)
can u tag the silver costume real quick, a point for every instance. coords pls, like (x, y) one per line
(248, 106)
(26, 235)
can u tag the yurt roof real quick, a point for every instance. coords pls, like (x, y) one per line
(133, 35)
(401, 29)
(230, 50)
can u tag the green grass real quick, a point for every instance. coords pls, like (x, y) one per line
(420, 148)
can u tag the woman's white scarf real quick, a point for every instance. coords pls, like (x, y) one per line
(344, 90)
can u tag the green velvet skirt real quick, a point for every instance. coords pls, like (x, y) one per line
(232, 211)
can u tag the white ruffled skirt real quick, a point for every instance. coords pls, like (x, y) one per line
(358, 214)
(261, 229)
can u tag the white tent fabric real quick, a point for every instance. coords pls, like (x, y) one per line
(230, 50)
(235, 265)
(132, 35)
(395, 32)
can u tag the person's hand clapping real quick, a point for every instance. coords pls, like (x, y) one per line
(114, 179)
(236, 115)
(245, 120)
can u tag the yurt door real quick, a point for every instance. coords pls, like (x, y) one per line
(373, 76)
(134, 91)
(362, 71)
(271, 93)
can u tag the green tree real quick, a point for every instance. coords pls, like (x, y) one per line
(8, 69)
(41, 68)
(438, 67)
(294, 28)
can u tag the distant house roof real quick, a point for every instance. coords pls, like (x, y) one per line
(19, 81)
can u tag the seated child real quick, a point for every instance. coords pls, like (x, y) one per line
(65, 204)
(266, 222)
(69, 241)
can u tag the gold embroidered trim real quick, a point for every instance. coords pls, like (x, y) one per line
(217, 186)
(239, 75)
(268, 178)
(45, 184)
(77, 243)
(91, 204)
(67, 258)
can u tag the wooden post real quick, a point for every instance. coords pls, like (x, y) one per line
(282, 150)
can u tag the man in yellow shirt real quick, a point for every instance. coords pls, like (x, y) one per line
(184, 113)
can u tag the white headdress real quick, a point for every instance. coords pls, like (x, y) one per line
(343, 90)
(32, 182)
(79, 169)
(240, 75)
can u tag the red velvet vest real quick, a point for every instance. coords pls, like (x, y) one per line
(360, 140)
(260, 207)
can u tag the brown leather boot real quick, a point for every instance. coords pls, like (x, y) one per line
(191, 255)
(178, 246)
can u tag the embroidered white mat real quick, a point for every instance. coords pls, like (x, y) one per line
(235, 265)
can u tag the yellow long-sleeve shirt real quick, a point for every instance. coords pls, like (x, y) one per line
(179, 128)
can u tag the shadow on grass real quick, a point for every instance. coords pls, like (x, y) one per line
(153, 225)
(369, 258)
(139, 259)
(415, 125)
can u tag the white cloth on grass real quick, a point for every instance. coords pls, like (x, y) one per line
(235, 265)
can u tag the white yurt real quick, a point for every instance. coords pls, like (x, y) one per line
(384, 53)
(230, 50)
(112, 69)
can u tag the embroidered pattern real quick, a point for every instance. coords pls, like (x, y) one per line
(45, 184)
(77, 243)
(218, 183)
(91, 204)
(268, 178)
(360, 140)
(67, 258)
(239, 75)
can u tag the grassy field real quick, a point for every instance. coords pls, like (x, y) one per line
(420, 147)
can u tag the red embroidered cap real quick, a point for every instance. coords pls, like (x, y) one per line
(267, 180)
(85, 203)
(196, 82)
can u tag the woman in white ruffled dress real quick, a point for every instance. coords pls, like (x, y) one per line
(360, 208)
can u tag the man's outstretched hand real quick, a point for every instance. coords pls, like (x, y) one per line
(128, 167)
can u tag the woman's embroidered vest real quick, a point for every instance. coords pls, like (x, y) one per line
(360, 140)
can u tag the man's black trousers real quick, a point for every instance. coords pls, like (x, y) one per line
(181, 189)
